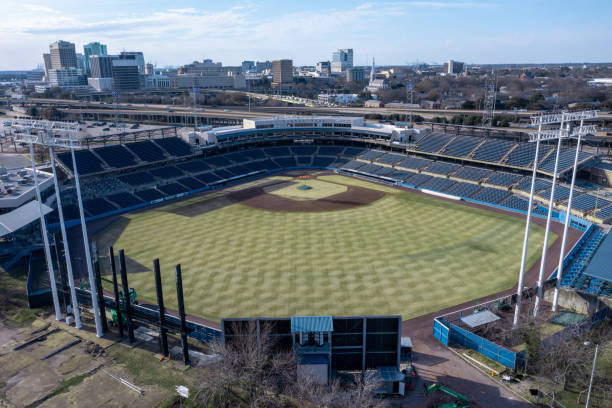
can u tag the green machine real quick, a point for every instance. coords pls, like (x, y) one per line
(460, 400)
(114, 316)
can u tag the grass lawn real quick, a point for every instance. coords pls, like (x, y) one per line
(405, 253)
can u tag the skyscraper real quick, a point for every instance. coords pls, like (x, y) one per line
(282, 72)
(126, 74)
(342, 59)
(63, 55)
(138, 57)
(93, 48)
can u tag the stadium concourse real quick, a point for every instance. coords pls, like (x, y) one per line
(486, 171)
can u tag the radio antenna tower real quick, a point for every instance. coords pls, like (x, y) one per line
(489, 100)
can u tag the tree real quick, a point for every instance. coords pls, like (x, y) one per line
(468, 105)
(433, 96)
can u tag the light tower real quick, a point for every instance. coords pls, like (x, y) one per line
(373, 71)
(564, 132)
(51, 135)
(489, 100)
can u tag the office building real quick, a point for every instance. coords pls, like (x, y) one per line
(342, 60)
(248, 66)
(81, 62)
(453, 67)
(282, 72)
(149, 69)
(102, 65)
(47, 64)
(62, 55)
(93, 48)
(324, 68)
(67, 78)
(136, 56)
(126, 76)
(355, 75)
(262, 66)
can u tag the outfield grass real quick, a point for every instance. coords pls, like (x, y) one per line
(405, 253)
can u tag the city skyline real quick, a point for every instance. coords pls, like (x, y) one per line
(396, 33)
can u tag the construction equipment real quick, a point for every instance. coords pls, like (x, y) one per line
(114, 316)
(460, 400)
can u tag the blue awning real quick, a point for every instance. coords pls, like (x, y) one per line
(311, 324)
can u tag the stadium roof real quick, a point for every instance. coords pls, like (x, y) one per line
(311, 324)
(22, 216)
(479, 318)
(600, 266)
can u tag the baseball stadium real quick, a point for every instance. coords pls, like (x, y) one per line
(325, 215)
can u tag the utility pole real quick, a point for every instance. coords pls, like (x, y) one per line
(411, 87)
(489, 100)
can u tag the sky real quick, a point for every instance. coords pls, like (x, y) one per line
(176, 32)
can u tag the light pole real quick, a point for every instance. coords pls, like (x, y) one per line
(53, 140)
(588, 343)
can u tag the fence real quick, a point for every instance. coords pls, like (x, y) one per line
(494, 351)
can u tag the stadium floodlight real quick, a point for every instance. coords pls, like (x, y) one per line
(565, 116)
(553, 134)
(51, 135)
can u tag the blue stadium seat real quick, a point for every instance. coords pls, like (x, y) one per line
(279, 151)
(254, 154)
(193, 166)
(218, 161)
(303, 150)
(461, 146)
(353, 151)
(438, 184)
(353, 164)
(516, 203)
(540, 184)
(462, 189)
(146, 150)
(491, 195)
(442, 168)
(116, 156)
(417, 179)
(566, 160)
(330, 150)
(190, 182)
(390, 158)
(319, 161)
(124, 200)
(433, 142)
(285, 162)
(224, 174)
(167, 172)
(503, 179)
(97, 206)
(207, 178)
(411, 162)
(173, 189)
(303, 160)
(524, 154)
(472, 173)
(137, 179)
(86, 161)
(493, 150)
(371, 155)
(174, 146)
(149, 194)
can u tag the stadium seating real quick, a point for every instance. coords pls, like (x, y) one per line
(516, 203)
(172, 189)
(524, 154)
(137, 179)
(442, 168)
(97, 206)
(472, 173)
(491, 195)
(86, 161)
(353, 165)
(319, 161)
(254, 154)
(174, 146)
(190, 182)
(413, 163)
(237, 170)
(503, 179)
(285, 162)
(303, 150)
(461, 146)
(167, 172)
(370, 168)
(116, 156)
(371, 155)
(525, 184)
(218, 161)
(561, 193)
(390, 158)
(193, 166)
(277, 151)
(146, 151)
(224, 174)
(438, 184)
(401, 175)
(330, 150)
(417, 179)
(492, 150)
(566, 160)
(433, 142)
(303, 160)
(237, 157)
(604, 213)
(385, 171)
(208, 178)
(462, 189)
(588, 202)
(124, 200)
(353, 151)
(149, 194)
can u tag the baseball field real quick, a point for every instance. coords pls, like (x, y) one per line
(319, 243)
